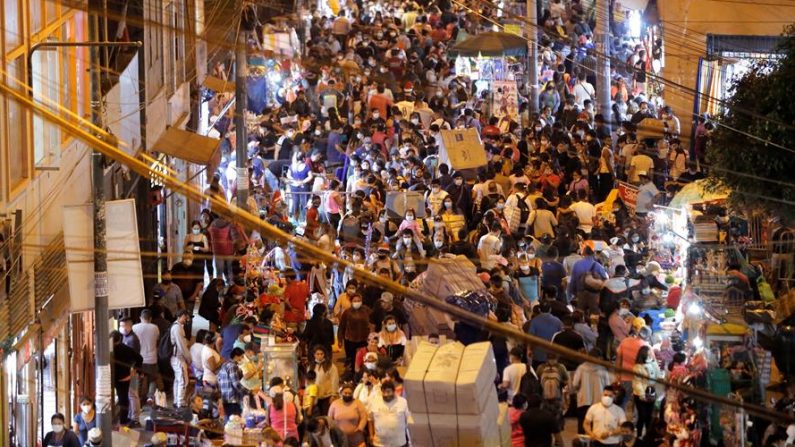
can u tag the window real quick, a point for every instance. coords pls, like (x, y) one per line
(50, 10)
(12, 24)
(17, 150)
(46, 92)
(36, 22)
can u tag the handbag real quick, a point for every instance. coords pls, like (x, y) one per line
(592, 281)
(651, 393)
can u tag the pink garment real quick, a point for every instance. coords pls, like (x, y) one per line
(517, 435)
(277, 421)
(414, 226)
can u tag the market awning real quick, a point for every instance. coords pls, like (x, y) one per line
(186, 145)
(491, 44)
(218, 85)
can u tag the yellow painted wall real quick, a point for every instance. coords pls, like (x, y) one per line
(686, 24)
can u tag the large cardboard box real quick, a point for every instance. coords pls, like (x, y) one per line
(475, 382)
(416, 340)
(446, 277)
(504, 425)
(420, 430)
(413, 380)
(480, 430)
(444, 430)
(440, 380)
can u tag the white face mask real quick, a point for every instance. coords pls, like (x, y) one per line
(531, 256)
(376, 116)
(57, 428)
(500, 206)
(415, 121)
(525, 267)
(448, 205)
(357, 305)
(392, 327)
(383, 219)
(247, 338)
(406, 240)
(607, 401)
(409, 218)
(438, 244)
(369, 365)
(86, 409)
(197, 230)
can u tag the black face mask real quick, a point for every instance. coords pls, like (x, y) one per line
(347, 399)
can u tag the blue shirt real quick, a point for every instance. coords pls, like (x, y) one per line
(580, 268)
(332, 154)
(552, 274)
(544, 326)
(229, 334)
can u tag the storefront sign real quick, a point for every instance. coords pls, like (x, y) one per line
(628, 194)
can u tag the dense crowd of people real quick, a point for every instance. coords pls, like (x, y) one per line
(324, 156)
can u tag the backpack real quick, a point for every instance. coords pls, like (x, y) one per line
(165, 349)
(550, 383)
(524, 209)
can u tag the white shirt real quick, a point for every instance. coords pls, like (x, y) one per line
(207, 354)
(585, 213)
(488, 249)
(434, 201)
(646, 194)
(582, 91)
(390, 421)
(148, 334)
(605, 419)
(641, 163)
(196, 356)
(513, 375)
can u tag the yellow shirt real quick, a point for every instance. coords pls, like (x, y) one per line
(310, 396)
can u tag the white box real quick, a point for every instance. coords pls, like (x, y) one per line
(444, 429)
(476, 377)
(440, 380)
(415, 376)
(420, 430)
(480, 430)
(504, 425)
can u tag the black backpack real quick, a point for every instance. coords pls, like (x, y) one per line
(524, 209)
(165, 349)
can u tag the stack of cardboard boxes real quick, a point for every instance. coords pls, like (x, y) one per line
(452, 397)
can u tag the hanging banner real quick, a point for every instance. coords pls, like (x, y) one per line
(125, 281)
(504, 99)
(628, 194)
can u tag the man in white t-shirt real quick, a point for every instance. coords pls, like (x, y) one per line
(640, 163)
(582, 90)
(489, 247)
(647, 193)
(149, 336)
(512, 374)
(603, 420)
(585, 211)
(389, 416)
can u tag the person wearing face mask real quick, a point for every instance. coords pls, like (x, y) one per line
(230, 378)
(408, 248)
(353, 329)
(435, 197)
(392, 338)
(126, 361)
(626, 354)
(603, 420)
(388, 417)
(350, 415)
(367, 358)
(85, 420)
(460, 194)
(198, 244)
(170, 296)
(643, 393)
(412, 224)
(369, 386)
(528, 276)
(60, 436)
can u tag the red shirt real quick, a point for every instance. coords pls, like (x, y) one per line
(312, 222)
(296, 294)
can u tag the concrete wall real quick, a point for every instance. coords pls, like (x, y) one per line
(686, 25)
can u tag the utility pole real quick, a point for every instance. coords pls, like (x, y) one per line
(241, 70)
(104, 396)
(603, 65)
(532, 56)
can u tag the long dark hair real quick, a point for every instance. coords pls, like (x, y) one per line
(643, 355)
